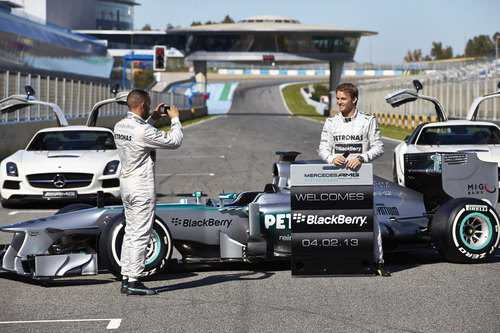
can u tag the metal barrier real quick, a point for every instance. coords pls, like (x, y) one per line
(454, 91)
(75, 97)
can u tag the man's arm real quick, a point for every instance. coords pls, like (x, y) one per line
(154, 138)
(375, 140)
(326, 144)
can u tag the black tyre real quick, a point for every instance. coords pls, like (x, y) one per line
(158, 251)
(466, 230)
(73, 208)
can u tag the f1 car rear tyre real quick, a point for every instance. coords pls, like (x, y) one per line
(73, 208)
(466, 230)
(158, 252)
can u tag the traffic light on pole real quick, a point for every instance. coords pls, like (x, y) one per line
(160, 58)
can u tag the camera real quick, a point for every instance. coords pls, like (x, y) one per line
(166, 108)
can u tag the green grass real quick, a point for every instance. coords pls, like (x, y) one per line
(188, 122)
(297, 105)
(394, 132)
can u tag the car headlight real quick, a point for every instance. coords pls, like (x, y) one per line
(12, 169)
(111, 168)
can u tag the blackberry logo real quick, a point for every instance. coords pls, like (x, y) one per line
(210, 222)
(299, 218)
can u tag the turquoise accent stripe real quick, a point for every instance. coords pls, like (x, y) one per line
(246, 71)
(283, 72)
(264, 71)
(301, 72)
(462, 231)
(379, 72)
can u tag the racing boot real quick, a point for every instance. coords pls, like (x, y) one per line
(124, 286)
(380, 269)
(137, 288)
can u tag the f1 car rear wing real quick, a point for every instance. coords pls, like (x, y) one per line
(404, 96)
(474, 108)
(120, 98)
(17, 102)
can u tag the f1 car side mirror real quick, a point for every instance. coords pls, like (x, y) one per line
(498, 85)
(29, 91)
(418, 85)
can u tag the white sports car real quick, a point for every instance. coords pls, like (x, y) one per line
(61, 163)
(469, 135)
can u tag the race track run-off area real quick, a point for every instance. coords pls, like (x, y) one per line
(232, 153)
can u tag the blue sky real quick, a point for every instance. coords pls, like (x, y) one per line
(401, 25)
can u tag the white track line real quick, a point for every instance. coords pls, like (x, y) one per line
(113, 323)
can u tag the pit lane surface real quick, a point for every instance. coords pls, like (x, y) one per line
(235, 153)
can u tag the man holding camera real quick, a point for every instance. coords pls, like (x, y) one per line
(136, 140)
(349, 139)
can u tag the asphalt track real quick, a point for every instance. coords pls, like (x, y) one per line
(235, 153)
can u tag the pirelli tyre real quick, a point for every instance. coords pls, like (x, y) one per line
(158, 251)
(73, 208)
(466, 230)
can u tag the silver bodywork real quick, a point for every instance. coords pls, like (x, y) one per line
(254, 225)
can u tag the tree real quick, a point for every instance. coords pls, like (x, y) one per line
(195, 23)
(210, 22)
(480, 45)
(147, 27)
(415, 55)
(227, 19)
(169, 26)
(438, 53)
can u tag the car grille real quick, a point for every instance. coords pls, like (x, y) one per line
(60, 180)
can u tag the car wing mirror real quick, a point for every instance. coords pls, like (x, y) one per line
(418, 85)
(114, 89)
(29, 91)
(400, 97)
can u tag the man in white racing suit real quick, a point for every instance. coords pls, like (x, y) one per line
(350, 138)
(136, 140)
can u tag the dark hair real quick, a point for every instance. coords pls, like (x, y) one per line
(348, 88)
(136, 97)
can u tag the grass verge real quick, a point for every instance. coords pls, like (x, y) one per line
(298, 106)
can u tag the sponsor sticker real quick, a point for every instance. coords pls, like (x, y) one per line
(476, 208)
(194, 223)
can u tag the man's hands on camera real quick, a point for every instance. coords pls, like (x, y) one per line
(163, 110)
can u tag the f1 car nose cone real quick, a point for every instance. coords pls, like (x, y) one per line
(59, 181)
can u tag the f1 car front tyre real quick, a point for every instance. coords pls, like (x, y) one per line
(466, 230)
(158, 251)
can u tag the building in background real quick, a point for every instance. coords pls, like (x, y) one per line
(79, 14)
(34, 47)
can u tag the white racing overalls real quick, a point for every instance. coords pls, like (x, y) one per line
(358, 135)
(136, 140)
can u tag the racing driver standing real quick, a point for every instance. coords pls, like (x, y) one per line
(136, 140)
(350, 138)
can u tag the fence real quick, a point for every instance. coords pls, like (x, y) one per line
(455, 93)
(75, 97)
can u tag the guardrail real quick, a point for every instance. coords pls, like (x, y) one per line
(455, 93)
(75, 97)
